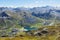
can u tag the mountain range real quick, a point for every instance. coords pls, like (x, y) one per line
(13, 20)
(29, 16)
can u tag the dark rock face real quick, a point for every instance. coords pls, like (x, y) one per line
(44, 15)
(58, 11)
(44, 32)
(21, 36)
(38, 34)
(14, 30)
(4, 36)
(3, 14)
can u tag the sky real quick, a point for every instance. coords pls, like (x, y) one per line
(29, 3)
